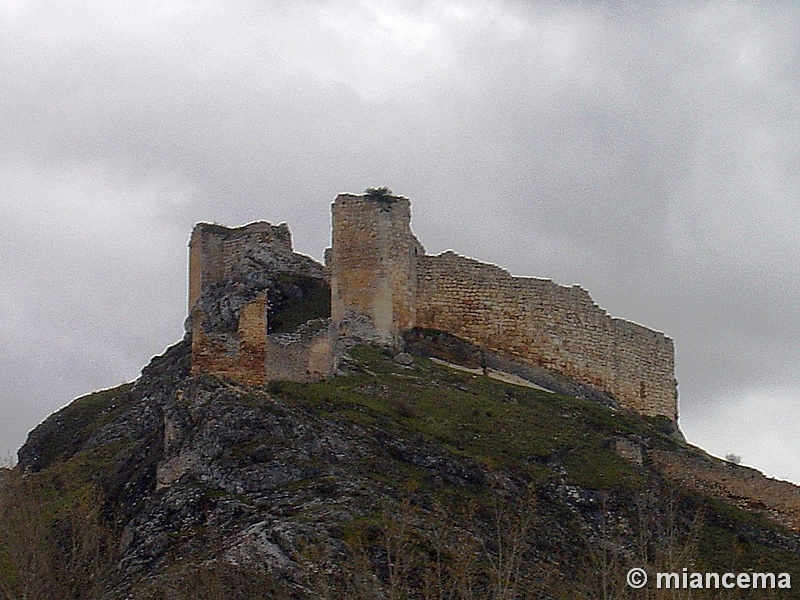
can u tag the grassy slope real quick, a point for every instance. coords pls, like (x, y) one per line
(496, 424)
(539, 438)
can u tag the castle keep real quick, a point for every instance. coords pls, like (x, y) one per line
(259, 311)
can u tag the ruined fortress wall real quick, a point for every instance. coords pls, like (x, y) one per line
(301, 356)
(382, 284)
(644, 368)
(230, 270)
(538, 322)
(218, 253)
(372, 262)
(215, 257)
(241, 357)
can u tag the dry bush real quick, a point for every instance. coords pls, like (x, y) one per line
(214, 580)
(53, 544)
(435, 554)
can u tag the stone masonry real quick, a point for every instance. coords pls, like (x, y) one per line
(237, 277)
(382, 284)
(538, 322)
(373, 262)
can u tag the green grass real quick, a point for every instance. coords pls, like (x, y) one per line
(76, 422)
(491, 422)
(306, 298)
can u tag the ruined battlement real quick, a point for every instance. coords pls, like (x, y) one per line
(259, 311)
(538, 322)
(248, 291)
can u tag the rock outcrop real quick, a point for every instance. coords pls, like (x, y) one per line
(310, 489)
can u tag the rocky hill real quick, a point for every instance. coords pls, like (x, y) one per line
(400, 478)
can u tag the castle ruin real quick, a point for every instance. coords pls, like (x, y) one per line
(258, 311)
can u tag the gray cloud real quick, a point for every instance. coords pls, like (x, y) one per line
(649, 153)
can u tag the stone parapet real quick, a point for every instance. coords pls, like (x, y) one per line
(538, 322)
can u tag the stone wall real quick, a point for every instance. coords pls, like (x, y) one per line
(237, 276)
(219, 254)
(240, 357)
(736, 485)
(303, 355)
(644, 370)
(373, 262)
(538, 322)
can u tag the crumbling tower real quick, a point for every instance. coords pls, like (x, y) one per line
(259, 311)
(373, 263)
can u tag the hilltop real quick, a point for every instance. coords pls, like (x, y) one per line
(388, 424)
(401, 477)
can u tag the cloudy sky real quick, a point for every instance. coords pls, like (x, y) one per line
(648, 153)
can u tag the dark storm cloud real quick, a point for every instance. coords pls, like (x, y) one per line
(649, 153)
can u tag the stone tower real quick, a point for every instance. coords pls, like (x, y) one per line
(373, 263)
